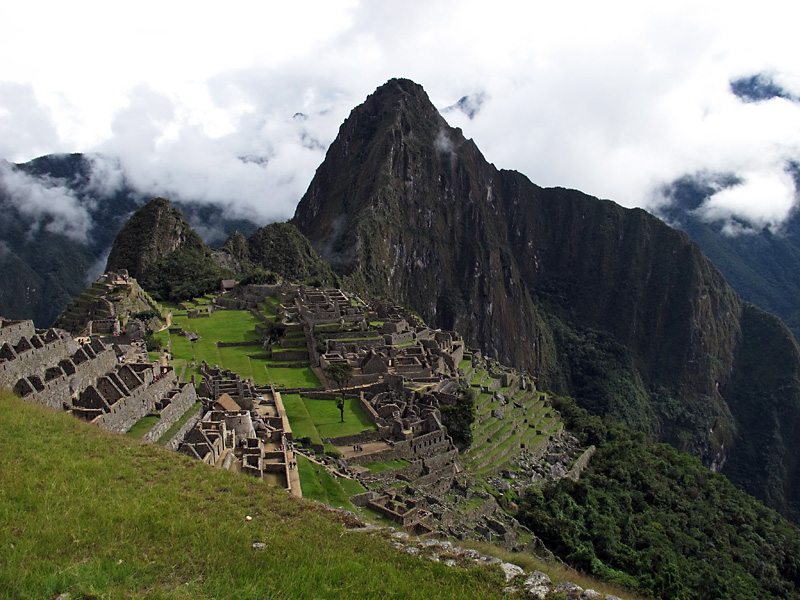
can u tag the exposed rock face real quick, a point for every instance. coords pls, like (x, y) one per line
(153, 232)
(605, 303)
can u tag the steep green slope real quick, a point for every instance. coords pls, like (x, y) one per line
(608, 304)
(651, 518)
(107, 517)
(164, 254)
(278, 249)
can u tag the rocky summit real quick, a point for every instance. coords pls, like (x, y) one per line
(608, 304)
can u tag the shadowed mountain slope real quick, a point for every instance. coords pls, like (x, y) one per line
(608, 304)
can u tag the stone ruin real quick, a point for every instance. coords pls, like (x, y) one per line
(88, 379)
(243, 428)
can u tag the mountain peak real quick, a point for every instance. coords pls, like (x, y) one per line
(604, 303)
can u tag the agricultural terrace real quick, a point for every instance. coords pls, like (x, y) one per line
(318, 483)
(247, 360)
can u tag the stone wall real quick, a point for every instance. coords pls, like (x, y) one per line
(369, 411)
(365, 437)
(440, 461)
(177, 439)
(430, 444)
(34, 360)
(580, 464)
(179, 404)
(436, 482)
(399, 450)
(61, 377)
(129, 409)
(484, 510)
(12, 331)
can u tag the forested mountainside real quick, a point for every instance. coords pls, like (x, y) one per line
(607, 304)
(61, 214)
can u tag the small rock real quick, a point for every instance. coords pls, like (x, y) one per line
(434, 557)
(511, 571)
(445, 545)
(537, 584)
(570, 591)
(259, 545)
(610, 597)
(412, 550)
(400, 535)
(428, 543)
(592, 595)
(248, 518)
(450, 562)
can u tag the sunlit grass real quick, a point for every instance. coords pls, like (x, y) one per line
(98, 515)
(143, 425)
(317, 484)
(300, 377)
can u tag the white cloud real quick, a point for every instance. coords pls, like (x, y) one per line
(766, 198)
(611, 98)
(52, 207)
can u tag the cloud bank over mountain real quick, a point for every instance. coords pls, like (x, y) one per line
(239, 106)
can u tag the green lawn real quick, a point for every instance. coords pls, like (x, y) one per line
(394, 464)
(301, 422)
(302, 377)
(317, 484)
(327, 418)
(142, 426)
(224, 326)
(319, 419)
(179, 423)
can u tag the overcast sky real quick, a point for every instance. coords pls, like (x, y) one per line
(200, 100)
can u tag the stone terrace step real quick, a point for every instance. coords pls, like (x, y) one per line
(486, 425)
(500, 449)
(500, 436)
(504, 453)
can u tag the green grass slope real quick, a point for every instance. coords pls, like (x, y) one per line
(104, 516)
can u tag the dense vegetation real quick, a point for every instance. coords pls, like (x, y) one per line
(459, 417)
(654, 519)
(282, 249)
(164, 254)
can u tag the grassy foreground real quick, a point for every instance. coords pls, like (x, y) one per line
(105, 516)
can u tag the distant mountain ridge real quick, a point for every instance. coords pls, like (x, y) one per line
(162, 251)
(608, 304)
(41, 266)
